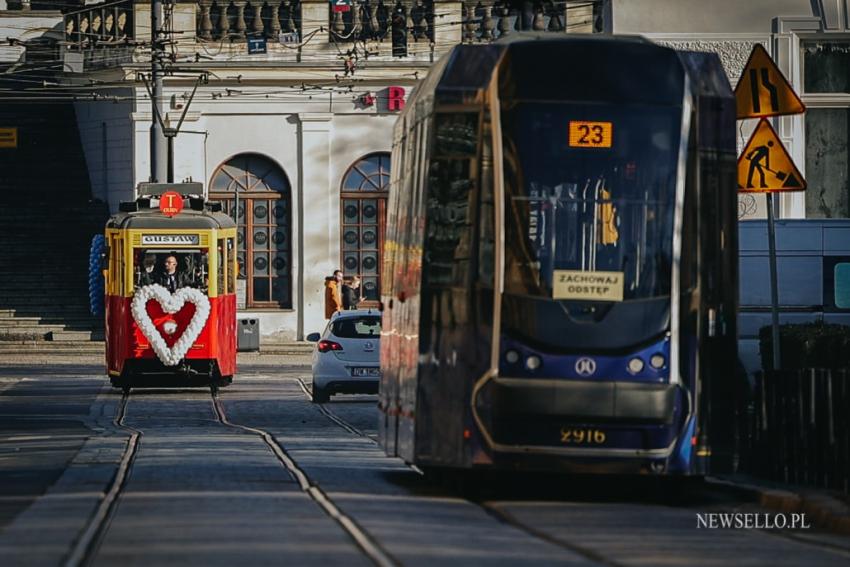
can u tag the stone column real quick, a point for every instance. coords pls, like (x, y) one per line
(318, 212)
(274, 22)
(314, 18)
(257, 19)
(206, 26)
(239, 24)
(446, 36)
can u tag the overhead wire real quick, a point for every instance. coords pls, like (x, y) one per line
(417, 52)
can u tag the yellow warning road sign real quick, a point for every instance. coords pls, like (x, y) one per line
(765, 166)
(8, 137)
(763, 90)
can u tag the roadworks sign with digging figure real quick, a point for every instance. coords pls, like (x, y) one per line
(765, 166)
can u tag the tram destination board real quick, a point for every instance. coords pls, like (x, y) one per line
(585, 134)
(164, 239)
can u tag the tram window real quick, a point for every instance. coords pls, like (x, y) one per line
(457, 134)
(192, 266)
(119, 266)
(222, 262)
(448, 230)
(590, 210)
(231, 267)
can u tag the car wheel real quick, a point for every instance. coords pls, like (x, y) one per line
(320, 395)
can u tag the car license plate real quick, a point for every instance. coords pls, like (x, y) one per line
(372, 371)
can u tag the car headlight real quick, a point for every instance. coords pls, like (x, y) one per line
(512, 356)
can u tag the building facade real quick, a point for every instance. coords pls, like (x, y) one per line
(287, 111)
(810, 41)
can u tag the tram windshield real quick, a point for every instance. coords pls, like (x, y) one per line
(589, 200)
(590, 192)
(192, 267)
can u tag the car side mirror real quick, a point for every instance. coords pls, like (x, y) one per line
(314, 337)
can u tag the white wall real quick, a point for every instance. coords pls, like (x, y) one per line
(703, 16)
(15, 24)
(114, 182)
(731, 28)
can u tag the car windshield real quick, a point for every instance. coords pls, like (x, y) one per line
(357, 328)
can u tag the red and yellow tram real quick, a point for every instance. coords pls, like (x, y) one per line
(178, 330)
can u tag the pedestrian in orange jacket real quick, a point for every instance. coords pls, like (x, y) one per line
(333, 294)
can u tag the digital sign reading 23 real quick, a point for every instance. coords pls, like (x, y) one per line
(591, 134)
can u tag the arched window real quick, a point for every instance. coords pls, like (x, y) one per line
(363, 201)
(254, 183)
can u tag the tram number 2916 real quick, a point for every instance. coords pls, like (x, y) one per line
(582, 436)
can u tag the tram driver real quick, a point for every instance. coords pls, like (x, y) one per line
(169, 277)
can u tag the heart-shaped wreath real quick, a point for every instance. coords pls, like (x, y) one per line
(171, 303)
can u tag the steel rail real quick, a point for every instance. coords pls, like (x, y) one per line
(88, 543)
(370, 547)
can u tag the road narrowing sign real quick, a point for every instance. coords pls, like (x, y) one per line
(765, 166)
(763, 90)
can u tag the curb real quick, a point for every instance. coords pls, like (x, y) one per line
(824, 510)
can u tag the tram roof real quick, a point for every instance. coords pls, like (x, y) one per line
(541, 65)
(186, 219)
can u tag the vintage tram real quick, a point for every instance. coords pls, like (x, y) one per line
(170, 284)
(560, 285)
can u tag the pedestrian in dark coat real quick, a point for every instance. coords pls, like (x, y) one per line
(351, 293)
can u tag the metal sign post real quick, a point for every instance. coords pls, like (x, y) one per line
(765, 165)
(774, 281)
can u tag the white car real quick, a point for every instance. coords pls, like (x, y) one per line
(346, 359)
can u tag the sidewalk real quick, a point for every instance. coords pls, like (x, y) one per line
(826, 509)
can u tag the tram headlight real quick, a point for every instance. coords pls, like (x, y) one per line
(169, 327)
(657, 361)
(512, 356)
(635, 365)
(533, 362)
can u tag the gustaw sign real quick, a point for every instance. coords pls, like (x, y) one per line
(184, 239)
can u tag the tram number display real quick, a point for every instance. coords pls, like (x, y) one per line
(582, 436)
(591, 134)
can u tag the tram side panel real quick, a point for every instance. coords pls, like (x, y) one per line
(399, 352)
(224, 345)
(715, 150)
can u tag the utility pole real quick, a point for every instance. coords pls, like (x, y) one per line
(159, 149)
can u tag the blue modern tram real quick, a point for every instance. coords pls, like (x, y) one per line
(560, 271)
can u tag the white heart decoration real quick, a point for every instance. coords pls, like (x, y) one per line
(171, 303)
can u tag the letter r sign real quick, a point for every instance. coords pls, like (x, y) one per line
(395, 98)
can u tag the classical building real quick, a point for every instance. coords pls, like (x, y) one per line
(287, 107)
(287, 110)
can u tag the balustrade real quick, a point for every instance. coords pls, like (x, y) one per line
(486, 20)
(99, 25)
(235, 20)
(378, 20)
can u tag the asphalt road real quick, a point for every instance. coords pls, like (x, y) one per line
(259, 475)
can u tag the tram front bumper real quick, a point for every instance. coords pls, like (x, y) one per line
(583, 400)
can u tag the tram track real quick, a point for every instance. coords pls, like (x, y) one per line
(364, 541)
(491, 510)
(89, 541)
(507, 518)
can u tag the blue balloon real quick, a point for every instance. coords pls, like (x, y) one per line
(96, 288)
